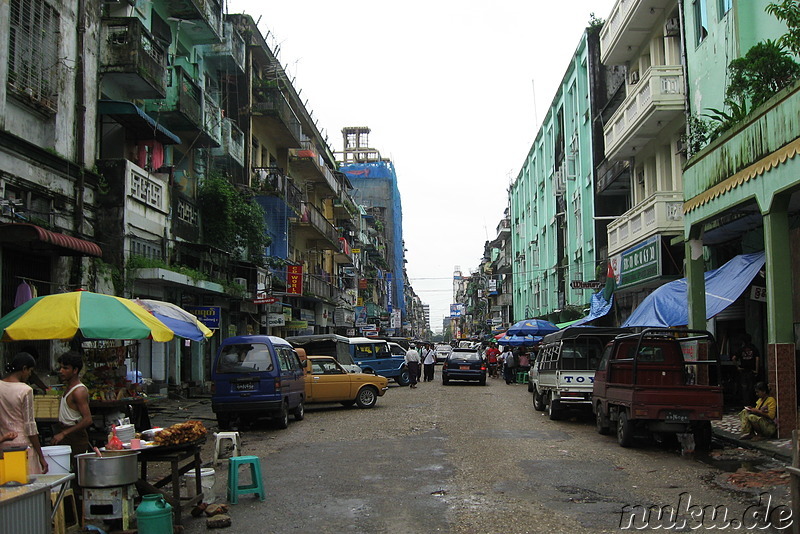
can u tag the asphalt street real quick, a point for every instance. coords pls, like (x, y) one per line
(466, 459)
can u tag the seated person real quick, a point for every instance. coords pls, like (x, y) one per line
(760, 420)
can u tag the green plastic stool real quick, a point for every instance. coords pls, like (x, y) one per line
(522, 377)
(234, 489)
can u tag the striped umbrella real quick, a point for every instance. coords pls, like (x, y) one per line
(180, 321)
(81, 314)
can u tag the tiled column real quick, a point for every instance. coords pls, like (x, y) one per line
(780, 330)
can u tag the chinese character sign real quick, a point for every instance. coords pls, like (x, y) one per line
(294, 279)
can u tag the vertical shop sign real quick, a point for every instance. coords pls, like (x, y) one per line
(389, 292)
(294, 279)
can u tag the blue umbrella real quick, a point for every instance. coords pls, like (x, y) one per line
(519, 341)
(532, 327)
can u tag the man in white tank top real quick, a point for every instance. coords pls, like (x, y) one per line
(73, 413)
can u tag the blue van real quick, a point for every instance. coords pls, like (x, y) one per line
(257, 377)
(375, 356)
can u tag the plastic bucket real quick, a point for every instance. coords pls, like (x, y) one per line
(57, 458)
(207, 480)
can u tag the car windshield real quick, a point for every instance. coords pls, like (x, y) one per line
(470, 356)
(244, 358)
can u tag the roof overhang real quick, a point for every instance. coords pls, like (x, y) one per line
(36, 238)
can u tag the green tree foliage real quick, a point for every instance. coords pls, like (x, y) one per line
(788, 11)
(231, 220)
(763, 71)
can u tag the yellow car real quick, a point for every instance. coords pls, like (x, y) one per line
(328, 381)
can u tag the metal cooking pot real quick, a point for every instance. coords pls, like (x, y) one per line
(114, 468)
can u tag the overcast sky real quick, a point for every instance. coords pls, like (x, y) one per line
(453, 91)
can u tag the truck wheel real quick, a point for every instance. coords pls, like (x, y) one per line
(702, 436)
(299, 412)
(367, 397)
(538, 401)
(601, 421)
(624, 430)
(282, 421)
(553, 409)
(403, 379)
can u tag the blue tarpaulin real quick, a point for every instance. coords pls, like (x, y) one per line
(669, 304)
(598, 308)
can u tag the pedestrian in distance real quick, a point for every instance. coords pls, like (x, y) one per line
(429, 363)
(413, 365)
(759, 421)
(749, 360)
(17, 422)
(73, 413)
(509, 367)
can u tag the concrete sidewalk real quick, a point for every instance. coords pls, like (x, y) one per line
(728, 431)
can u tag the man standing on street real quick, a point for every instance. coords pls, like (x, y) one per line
(73, 414)
(412, 364)
(429, 363)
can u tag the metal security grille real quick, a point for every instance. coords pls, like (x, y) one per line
(33, 51)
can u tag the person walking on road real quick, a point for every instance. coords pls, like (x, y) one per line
(412, 363)
(429, 363)
(509, 367)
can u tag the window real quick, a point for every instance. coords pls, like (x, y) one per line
(700, 21)
(33, 51)
(724, 7)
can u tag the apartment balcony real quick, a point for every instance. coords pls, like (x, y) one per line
(131, 59)
(182, 110)
(272, 111)
(229, 54)
(212, 122)
(343, 206)
(318, 287)
(309, 164)
(655, 100)
(344, 255)
(628, 27)
(231, 147)
(315, 227)
(159, 278)
(199, 21)
(662, 213)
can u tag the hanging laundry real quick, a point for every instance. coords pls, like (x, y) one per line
(24, 294)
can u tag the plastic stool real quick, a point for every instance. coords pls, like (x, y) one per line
(522, 377)
(66, 517)
(233, 437)
(257, 486)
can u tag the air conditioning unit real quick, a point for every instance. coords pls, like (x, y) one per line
(672, 27)
(240, 281)
(634, 77)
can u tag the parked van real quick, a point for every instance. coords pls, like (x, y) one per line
(562, 375)
(338, 347)
(257, 377)
(375, 356)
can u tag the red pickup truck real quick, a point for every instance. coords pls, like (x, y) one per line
(660, 381)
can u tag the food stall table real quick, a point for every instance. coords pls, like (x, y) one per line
(135, 408)
(23, 509)
(174, 455)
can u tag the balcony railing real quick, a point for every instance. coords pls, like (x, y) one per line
(232, 145)
(229, 54)
(272, 103)
(319, 287)
(307, 160)
(655, 100)
(627, 27)
(131, 58)
(311, 215)
(204, 19)
(182, 110)
(212, 120)
(659, 214)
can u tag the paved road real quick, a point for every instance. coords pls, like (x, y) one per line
(462, 459)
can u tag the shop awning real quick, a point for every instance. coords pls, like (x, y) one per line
(134, 118)
(38, 239)
(598, 308)
(668, 305)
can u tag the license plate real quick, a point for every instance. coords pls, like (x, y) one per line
(676, 417)
(464, 367)
(246, 386)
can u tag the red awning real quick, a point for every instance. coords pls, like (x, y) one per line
(37, 238)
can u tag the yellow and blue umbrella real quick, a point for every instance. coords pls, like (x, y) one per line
(81, 314)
